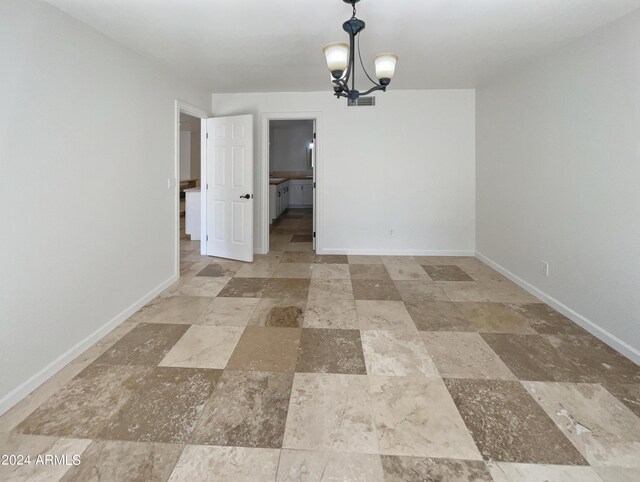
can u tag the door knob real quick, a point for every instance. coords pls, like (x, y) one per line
(246, 196)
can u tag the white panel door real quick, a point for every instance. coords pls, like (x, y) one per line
(229, 188)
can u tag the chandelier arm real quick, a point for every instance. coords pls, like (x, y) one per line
(373, 89)
(362, 65)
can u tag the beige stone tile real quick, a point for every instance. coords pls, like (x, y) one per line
(330, 289)
(228, 312)
(330, 271)
(510, 472)
(383, 315)
(406, 272)
(368, 271)
(416, 416)
(26, 406)
(298, 465)
(397, 260)
(294, 288)
(197, 286)
(481, 291)
(363, 259)
(494, 318)
(263, 268)
(210, 463)
(245, 288)
(616, 474)
(323, 350)
(325, 313)
(204, 347)
(176, 309)
(396, 353)
(220, 268)
(293, 270)
(419, 291)
(437, 316)
(464, 355)
(33, 446)
(330, 412)
(279, 312)
(605, 431)
(266, 349)
(106, 460)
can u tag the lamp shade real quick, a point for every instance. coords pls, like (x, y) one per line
(385, 65)
(337, 55)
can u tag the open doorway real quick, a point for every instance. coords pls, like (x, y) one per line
(292, 150)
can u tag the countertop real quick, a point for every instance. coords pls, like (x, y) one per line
(281, 179)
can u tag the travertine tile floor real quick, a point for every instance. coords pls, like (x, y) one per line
(305, 367)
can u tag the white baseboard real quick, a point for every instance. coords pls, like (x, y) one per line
(33, 382)
(395, 252)
(593, 328)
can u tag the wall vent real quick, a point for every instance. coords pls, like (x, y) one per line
(362, 102)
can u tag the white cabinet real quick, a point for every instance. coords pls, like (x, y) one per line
(279, 195)
(192, 213)
(301, 192)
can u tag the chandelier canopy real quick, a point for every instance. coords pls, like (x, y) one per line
(341, 61)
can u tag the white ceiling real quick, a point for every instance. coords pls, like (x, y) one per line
(276, 45)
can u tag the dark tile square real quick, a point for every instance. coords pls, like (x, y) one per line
(598, 361)
(446, 272)
(627, 393)
(218, 271)
(508, 425)
(247, 409)
(146, 344)
(374, 289)
(437, 316)
(302, 238)
(244, 288)
(266, 349)
(165, 407)
(545, 320)
(85, 405)
(532, 358)
(291, 288)
(330, 351)
(418, 469)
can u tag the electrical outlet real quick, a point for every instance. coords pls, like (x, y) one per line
(544, 268)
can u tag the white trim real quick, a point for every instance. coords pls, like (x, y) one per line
(396, 252)
(192, 110)
(33, 382)
(263, 176)
(592, 327)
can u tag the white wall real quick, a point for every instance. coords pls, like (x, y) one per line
(289, 145)
(407, 164)
(87, 137)
(558, 152)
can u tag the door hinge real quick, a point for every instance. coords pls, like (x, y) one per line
(314, 135)
(207, 237)
(314, 234)
(207, 135)
(207, 186)
(314, 185)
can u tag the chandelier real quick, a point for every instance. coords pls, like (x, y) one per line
(341, 61)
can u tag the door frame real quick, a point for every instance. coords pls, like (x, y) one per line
(189, 109)
(263, 177)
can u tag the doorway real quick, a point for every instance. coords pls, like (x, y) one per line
(291, 159)
(187, 179)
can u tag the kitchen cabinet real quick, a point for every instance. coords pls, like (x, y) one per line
(301, 193)
(279, 195)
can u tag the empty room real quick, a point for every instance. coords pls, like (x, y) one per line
(331, 240)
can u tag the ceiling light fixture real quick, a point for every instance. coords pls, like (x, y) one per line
(341, 61)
